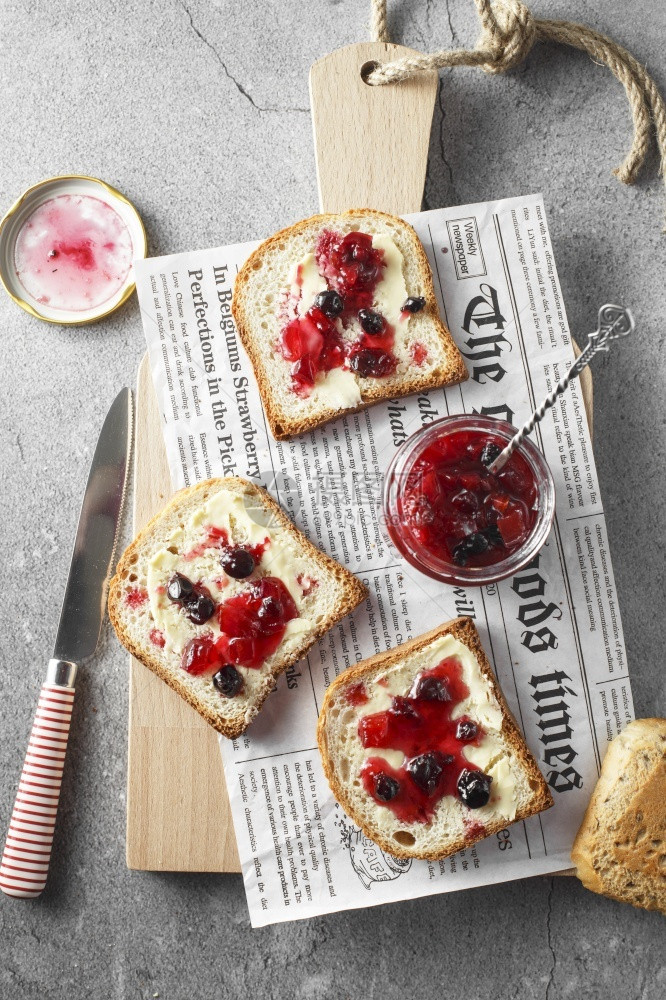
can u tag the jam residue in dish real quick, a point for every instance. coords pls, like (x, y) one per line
(74, 252)
(420, 725)
(313, 343)
(455, 508)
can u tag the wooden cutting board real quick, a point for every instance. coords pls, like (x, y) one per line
(178, 815)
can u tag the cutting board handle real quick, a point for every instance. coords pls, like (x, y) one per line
(371, 143)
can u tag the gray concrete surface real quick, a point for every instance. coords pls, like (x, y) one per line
(199, 112)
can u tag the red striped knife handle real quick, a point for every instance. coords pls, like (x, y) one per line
(25, 862)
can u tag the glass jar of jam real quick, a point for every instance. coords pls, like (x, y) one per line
(453, 519)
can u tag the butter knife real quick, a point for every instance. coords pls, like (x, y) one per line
(25, 861)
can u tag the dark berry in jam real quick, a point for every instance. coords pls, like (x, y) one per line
(426, 770)
(352, 266)
(404, 708)
(450, 506)
(199, 607)
(330, 303)
(421, 727)
(490, 453)
(179, 587)
(238, 563)
(313, 343)
(471, 545)
(386, 787)
(476, 543)
(460, 555)
(370, 362)
(430, 689)
(249, 635)
(371, 322)
(494, 536)
(474, 788)
(413, 304)
(228, 681)
(467, 730)
(194, 599)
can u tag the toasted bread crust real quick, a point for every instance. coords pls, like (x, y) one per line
(282, 426)
(354, 593)
(465, 631)
(620, 847)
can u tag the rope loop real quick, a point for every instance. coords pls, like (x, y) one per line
(508, 33)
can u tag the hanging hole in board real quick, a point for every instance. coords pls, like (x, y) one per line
(367, 68)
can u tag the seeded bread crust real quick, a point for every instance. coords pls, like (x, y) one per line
(465, 631)
(351, 592)
(449, 369)
(620, 849)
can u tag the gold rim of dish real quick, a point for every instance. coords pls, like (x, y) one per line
(141, 251)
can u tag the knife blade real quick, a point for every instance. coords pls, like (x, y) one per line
(27, 854)
(84, 603)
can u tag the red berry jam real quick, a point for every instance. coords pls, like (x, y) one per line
(202, 655)
(419, 353)
(352, 266)
(135, 597)
(357, 694)
(218, 538)
(313, 343)
(253, 622)
(420, 725)
(306, 583)
(451, 502)
(475, 831)
(157, 638)
(455, 520)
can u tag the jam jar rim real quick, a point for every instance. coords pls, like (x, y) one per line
(475, 576)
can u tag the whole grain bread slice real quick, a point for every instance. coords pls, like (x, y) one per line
(323, 589)
(453, 826)
(259, 289)
(620, 849)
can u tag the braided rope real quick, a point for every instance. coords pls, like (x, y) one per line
(508, 33)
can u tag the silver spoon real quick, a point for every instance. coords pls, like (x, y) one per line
(614, 322)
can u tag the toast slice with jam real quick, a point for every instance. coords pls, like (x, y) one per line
(220, 594)
(338, 312)
(421, 750)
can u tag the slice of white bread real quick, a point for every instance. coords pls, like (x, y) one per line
(143, 616)
(259, 311)
(620, 849)
(518, 788)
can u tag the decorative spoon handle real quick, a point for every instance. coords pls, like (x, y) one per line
(614, 322)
